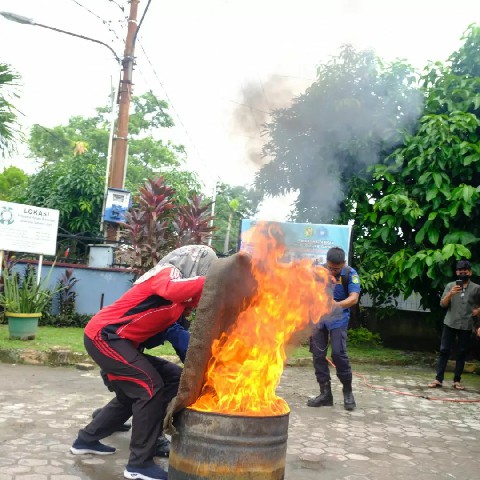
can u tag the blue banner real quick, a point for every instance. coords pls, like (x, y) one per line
(305, 240)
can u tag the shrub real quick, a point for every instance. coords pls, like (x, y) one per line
(157, 224)
(71, 320)
(363, 337)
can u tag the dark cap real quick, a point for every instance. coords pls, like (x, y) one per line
(463, 264)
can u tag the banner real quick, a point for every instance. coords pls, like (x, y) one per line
(29, 229)
(305, 240)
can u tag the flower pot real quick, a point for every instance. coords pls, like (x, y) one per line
(22, 326)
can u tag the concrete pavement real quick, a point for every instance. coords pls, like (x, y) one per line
(392, 434)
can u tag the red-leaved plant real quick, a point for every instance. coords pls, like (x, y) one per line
(156, 225)
(193, 224)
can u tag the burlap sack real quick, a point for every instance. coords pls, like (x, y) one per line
(229, 286)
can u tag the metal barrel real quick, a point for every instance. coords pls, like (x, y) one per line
(216, 446)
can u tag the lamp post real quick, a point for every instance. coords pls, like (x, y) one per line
(117, 161)
(29, 21)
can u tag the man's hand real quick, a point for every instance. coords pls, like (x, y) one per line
(455, 289)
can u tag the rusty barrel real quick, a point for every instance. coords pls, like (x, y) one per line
(215, 446)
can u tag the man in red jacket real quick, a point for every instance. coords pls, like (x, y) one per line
(113, 337)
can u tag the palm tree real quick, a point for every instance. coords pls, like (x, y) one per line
(8, 116)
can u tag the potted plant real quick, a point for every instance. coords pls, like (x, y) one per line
(24, 301)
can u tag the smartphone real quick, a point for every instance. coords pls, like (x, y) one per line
(459, 283)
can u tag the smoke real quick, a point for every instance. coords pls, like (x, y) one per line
(257, 101)
(348, 119)
(346, 135)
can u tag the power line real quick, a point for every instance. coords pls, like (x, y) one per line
(141, 21)
(108, 23)
(121, 7)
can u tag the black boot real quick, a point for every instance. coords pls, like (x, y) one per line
(348, 398)
(325, 399)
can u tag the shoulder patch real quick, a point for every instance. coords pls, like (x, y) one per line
(355, 279)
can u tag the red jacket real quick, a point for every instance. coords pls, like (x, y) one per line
(148, 308)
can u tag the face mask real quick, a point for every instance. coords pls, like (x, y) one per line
(464, 277)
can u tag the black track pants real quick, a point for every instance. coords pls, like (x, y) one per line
(143, 385)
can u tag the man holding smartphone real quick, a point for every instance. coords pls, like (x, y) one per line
(461, 299)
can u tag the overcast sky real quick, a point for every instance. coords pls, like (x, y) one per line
(201, 55)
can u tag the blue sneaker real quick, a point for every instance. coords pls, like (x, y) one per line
(97, 448)
(151, 472)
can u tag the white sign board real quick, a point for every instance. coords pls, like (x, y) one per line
(24, 228)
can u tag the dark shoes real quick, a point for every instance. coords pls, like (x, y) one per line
(325, 399)
(349, 401)
(97, 448)
(150, 472)
(122, 428)
(162, 447)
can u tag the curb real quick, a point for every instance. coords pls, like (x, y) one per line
(55, 357)
(62, 357)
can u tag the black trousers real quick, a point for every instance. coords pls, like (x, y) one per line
(448, 339)
(143, 385)
(318, 348)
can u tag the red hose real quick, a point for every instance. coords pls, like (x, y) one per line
(399, 392)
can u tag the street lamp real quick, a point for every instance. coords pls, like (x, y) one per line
(13, 17)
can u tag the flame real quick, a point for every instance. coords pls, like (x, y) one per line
(248, 360)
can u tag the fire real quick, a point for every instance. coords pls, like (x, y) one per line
(247, 361)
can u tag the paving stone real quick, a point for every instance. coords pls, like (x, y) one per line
(389, 435)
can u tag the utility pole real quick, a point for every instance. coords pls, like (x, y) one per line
(120, 139)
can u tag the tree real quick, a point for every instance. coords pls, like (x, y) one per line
(423, 207)
(73, 185)
(347, 119)
(12, 180)
(147, 155)
(8, 116)
(232, 203)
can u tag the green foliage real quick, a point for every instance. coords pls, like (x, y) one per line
(423, 203)
(12, 180)
(8, 115)
(25, 295)
(362, 337)
(148, 156)
(75, 186)
(74, 182)
(64, 320)
(466, 61)
(232, 203)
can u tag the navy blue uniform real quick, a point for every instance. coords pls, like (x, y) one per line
(335, 326)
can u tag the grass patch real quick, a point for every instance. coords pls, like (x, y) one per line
(72, 339)
(69, 337)
(359, 354)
